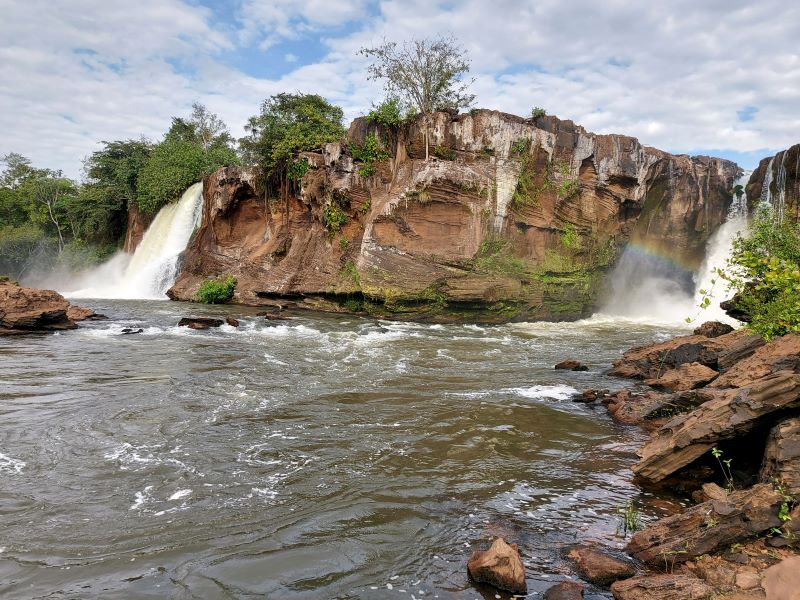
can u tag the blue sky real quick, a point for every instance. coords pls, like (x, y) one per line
(717, 77)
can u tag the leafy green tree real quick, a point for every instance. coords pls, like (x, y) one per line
(426, 73)
(184, 157)
(764, 270)
(287, 125)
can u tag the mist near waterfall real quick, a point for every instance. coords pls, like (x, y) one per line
(151, 270)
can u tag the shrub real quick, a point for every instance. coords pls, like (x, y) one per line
(443, 153)
(538, 112)
(217, 290)
(569, 237)
(389, 113)
(368, 154)
(334, 218)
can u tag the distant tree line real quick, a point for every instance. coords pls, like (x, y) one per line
(47, 219)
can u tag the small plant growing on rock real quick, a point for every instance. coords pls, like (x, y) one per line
(538, 112)
(725, 466)
(520, 147)
(334, 218)
(218, 290)
(368, 154)
(569, 237)
(443, 153)
(344, 243)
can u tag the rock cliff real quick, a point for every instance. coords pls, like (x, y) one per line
(777, 181)
(510, 218)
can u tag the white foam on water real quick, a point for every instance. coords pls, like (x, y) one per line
(180, 494)
(11, 465)
(549, 392)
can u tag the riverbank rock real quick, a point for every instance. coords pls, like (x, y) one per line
(687, 376)
(780, 354)
(782, 581)
(598, 567)
(79, 313)
(232, 322)
(662, 587)
(707, 526)
(199, 322)
(712, 329)
(499, 566)
(566, 590)
(719, 353)
(25, 310)
(571, 365)
(731, 413)
(782, 456)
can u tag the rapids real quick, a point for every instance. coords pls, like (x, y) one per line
(315, 458)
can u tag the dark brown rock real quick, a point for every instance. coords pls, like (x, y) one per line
(705, 527)
(687, 376)
(25, 309)
(598, 567)
(499, 566)
(782, 456)
(712, 329)
(232, 322)
(566, 590)
(662, 587)
(199, 322)
(731, 413)
(780, 354)
(571, 365)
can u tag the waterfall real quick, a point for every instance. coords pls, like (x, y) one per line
(153, 267)
(650, 286)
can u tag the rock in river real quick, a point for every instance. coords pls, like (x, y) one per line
(199, 322)
(499, 566)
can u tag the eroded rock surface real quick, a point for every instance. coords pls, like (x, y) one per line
(510, 218)
(566, 590)
(782, 456)
(25, 310)
(598, 567)
(687, 376)
(662, 587)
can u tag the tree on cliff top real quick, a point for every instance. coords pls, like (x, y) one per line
(287, 125)
(427, 74)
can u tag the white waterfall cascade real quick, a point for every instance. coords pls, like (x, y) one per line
(152, 269)
(645, 289)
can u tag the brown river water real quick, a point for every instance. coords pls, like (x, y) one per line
(315, 458)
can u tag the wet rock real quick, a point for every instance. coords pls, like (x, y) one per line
(662, 587)
(720, 353)
(131, 331)
(232, 322)
(499, 566)
(571, 365)
(781, 354)
(782, 456)
(782, 581)
(651, 408)
(598, 567)
(25, 309)
(705, 527)
(731, 413)
(271, 316)
(686, 377)
(566, 590)
(712, 329)
(79, 313)
(199, 322)
(587, 396)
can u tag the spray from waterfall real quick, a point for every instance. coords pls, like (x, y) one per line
(650, 286)
(153, 267)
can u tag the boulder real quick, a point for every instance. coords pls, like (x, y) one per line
(232, 322)
(566, 590)
(782, 456)
(571, 365)
(652, 408)
(598, 567)
(732, 412)
(25, 309)
(662, 587)
(79, 313)
(199, 322)
(687, 376)
(713, 329)
(782, 581)
(781, 354)
(499, 566)
(719, 353)
(707, 526)
(131, 331)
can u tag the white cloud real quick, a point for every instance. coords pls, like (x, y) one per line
(674, 73)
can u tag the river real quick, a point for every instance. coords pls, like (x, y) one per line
(318, 457)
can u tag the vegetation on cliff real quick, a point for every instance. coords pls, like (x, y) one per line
(217, 290)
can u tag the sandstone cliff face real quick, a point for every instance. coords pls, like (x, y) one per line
(509, 219)
(777, 181)
(138, 222)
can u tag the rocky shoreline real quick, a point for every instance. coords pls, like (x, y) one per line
(25, 310)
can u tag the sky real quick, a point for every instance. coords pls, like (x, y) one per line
(719, 77)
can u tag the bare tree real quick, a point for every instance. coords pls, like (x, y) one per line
(427, 74)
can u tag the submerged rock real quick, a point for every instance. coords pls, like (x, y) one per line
(662, 587)
(499, 566)
(598, 567)
(131, 331)
(566, 590)
(571, 365)
(25, 310)
(199, 322)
